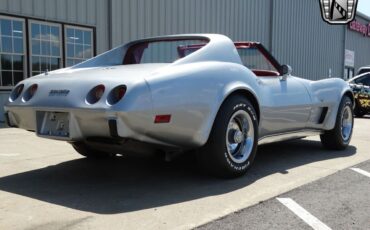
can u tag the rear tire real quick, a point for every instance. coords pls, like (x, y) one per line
(340, 137)
(89, 152)
(232, 144)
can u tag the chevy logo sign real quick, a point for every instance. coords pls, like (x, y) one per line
(338, 11)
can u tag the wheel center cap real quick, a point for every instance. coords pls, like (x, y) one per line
(238, 137)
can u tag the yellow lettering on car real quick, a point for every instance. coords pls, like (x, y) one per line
(364, 102)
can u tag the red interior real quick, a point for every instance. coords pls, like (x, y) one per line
(135, 53)
(265, 73)
(239, 45)
(258, 72)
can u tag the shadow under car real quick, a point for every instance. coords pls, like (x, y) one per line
(126, 184)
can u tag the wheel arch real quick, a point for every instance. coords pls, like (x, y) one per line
(247, 94)
(349, 94)
(243, 91)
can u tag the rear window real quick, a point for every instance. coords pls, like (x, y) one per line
(161, 51)
(154, 51)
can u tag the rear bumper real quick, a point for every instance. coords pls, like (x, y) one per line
(8, 122)
(84, 123)
(81, 122)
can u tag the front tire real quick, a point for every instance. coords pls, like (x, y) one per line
(340, 137)
(232, 145)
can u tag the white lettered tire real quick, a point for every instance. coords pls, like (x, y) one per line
(232, 145)
(340, 137)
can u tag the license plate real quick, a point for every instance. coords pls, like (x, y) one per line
(54, 124)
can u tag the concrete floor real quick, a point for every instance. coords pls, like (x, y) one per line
(340, 201)
(45, 184)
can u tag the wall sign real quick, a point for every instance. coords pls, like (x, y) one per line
(359, 27)
(349, 58)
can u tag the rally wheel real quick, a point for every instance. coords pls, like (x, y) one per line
(232, 145)
(340, 137)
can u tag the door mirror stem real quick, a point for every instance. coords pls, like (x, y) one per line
(285, 71)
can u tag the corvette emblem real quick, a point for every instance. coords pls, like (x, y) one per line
(58, 92)
(338, 11)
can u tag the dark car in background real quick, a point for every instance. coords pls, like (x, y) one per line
(361, 89)
(362, 70)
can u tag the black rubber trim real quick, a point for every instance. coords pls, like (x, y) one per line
(7, 121)
(113, 128)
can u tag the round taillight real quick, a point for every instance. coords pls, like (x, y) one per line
(116, 94)
(30, 92)
(16, 93)
(33, 90)
(95, 94)
(99, 91)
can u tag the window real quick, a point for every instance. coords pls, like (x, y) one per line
(41, 48)
(363, 70)
(12, 51)
(365, 80)
(254, 59)
(46, 46)
(79, 44)
(162, 51)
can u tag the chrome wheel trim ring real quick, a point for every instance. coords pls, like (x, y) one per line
(240, 136)
(346, 123)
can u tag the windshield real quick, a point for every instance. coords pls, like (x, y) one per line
(254, 59)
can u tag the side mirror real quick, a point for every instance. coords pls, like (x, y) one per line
(285, 70)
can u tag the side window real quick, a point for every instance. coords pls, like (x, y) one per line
(358, 80)
(365, 80)
(254, 59)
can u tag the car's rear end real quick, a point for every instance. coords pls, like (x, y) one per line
(147, 91)
(106, 97)
(73, 104)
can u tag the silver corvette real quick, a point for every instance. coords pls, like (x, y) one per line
(178, 93)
